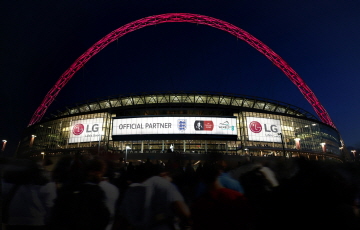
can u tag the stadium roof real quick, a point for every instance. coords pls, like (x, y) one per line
(183, 97)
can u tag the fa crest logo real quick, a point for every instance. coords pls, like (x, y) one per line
(182, 124)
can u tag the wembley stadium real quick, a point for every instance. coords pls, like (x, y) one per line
(192, 125)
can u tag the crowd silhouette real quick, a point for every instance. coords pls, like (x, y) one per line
(85, 192)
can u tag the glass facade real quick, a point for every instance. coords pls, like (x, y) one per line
(301, 133)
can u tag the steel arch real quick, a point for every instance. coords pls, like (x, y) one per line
(182, 17)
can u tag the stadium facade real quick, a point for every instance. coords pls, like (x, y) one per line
(194, 124)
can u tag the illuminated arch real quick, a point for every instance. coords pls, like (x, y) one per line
(182, 17)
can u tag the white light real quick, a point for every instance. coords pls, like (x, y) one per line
(4, 141)
(354, 152)
(297, 139)
(126, 150)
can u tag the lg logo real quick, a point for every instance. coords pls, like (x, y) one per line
(78, 129)
(256, 127)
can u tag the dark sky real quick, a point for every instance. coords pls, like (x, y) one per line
(41, 39)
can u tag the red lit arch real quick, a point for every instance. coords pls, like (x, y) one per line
(182, 17)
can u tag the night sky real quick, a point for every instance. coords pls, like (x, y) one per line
(41, 39)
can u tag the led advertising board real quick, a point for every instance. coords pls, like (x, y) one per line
(86, 130)
(148, 125)
(263, 129)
